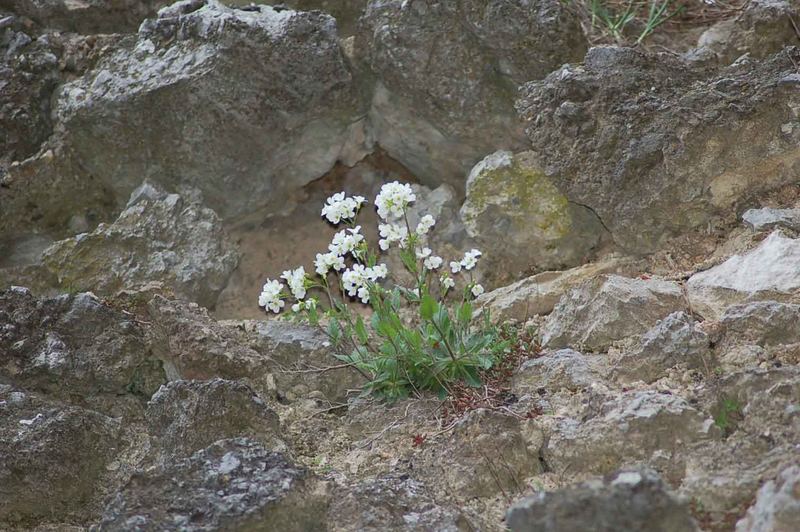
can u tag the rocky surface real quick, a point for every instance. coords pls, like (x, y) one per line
(609, 308)
(768, 272)
(656, 146)
(625, 500)
(656, 387)
(446, 74)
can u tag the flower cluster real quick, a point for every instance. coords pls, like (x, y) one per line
(430, 261)
(346, 241)
(339, 208)
(326, 262)
(468, 262)
(393, 199)
(357, 279)
(270, 297)
(296, 279)
(391, 233)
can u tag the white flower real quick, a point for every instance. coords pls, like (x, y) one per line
(326, 261)
(393, 199)
(339, 208)
(424, 253)
(270, 297)
(296, 280)
(346, 241)
(302, 305)
(477, 290)
(455, 267)
(391, 233)
(447, 282)
(425, 224)
(470, 259)
(356, 280)
(433, 263)
(296, 307)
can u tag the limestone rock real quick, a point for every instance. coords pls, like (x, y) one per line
(636, 427)
(75, 347)
(158, 237)
(237, 483)
(87, 16)
(672, 341)
(657, 146)
(563, 369)
(521, 220)
(763, 28)
(768, 218)
(625, 500)
(187, 416)
(609, 308)
(763, 323)
(777, 506)
(51, 458)
(394, 503)
(539, 293)
(446, 74)
(768, 272)
(289, 118)
(346, 12)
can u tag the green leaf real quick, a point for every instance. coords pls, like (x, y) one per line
(464, 313)
(361, 331)
(428, 307)
(334, 331)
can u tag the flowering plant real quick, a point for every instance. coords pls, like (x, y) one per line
(398, 352)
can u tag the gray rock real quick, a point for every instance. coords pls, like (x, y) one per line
(626, 500)
(187, 416)
(564, 369)
(299, 353)
(763, 323)
(539, 293)
(163, 238)
(446, 74)
(392, 503)
(76, 348)
(640, 138)
(286, 124)
(777, 506)
(768, 272)
(672, 341)
(521, 220)
(87, 16)
(346, 12)
(763, 28)
(768, 218)
(609, 308)
(234, 484)
(637, 427)
(52, 458)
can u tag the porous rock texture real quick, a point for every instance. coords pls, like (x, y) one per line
(656, 145)
(656, 387)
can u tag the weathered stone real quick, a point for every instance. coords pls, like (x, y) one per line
(768, 218)
(777, 506)
(539, 294)
(447, 74)
(158, 237)
(564, 369)
(187, 416)
(485, 454)
(626, 500)
(75, 347)
(51, 459)
(768, 272)
(286, 124)
(609, 308)
(647, 140)
(28, 76)
(763, 323)
(87, 16)
(392, 503)
(637, 427)
(521, 220)
(301, 353)
(346, 12)
(232, 484)
(763, 28)
(672, 341)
